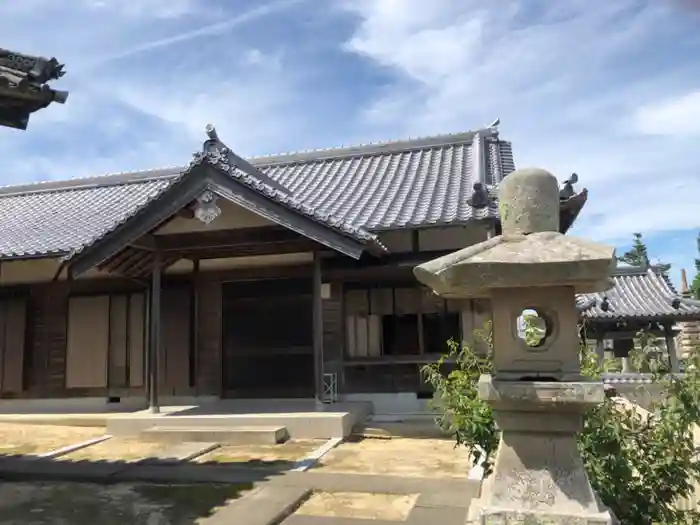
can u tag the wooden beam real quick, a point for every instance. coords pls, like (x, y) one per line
(248, 250)
(225, 238)
(147, 243)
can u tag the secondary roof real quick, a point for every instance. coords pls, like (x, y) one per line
(644, 294)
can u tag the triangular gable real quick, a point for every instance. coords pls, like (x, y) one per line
(232, 178)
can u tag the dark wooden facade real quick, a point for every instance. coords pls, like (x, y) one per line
(243, 332)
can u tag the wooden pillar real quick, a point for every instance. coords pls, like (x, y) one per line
(194, 319)
(154, 332)
(671, 348)
(318, 328)
(626, 365)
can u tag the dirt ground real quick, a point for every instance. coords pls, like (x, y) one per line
(430, 458)
(118, 449)
(116, 504)
(37, 439)
(262, 455)
(389, 507)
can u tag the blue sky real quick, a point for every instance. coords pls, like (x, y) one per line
(609, 90)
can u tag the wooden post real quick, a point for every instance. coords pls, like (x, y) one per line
(154, 332)
(194, 361)
(318, 327)
(671, 349)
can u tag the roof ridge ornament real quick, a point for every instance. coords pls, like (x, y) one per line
(210, 130)
(24, 87)
(568, 190)
(480, 197)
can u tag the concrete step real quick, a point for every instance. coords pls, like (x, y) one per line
(302, 425)
(258, 435)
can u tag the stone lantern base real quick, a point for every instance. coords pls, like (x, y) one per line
(538, 476)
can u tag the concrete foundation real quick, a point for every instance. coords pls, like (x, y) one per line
(302, 418)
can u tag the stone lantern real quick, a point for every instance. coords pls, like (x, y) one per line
(532, 274)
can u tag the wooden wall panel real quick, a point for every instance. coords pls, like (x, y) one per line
(48, 317)
(382, 301)
(118, 341)
(333, 328)
(88, 342)
(137, 338)
(176, 326)
(209, 344)
(13, 318)
(374, 336)
(357, 302)
(407, 301)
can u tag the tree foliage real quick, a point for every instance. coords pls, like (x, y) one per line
(638, 465)
(638, 255)
(695, 285)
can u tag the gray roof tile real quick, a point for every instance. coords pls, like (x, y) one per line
(418, 182)
(638, 293)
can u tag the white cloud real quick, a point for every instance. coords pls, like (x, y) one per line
(677, 116)
(570, 83)
(144, 80)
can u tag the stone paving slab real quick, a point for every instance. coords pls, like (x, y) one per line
(418, 516)
(332, 482)
(187, 473)
(437, 516)
(458, 497)
(296, 519)
(264, 506)
(179, 452)
(442, 491)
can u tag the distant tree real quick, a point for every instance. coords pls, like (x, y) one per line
(638, 255)
(695, 285)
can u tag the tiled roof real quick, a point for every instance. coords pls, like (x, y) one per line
(372, 187)
(221, 158)
(638, 293)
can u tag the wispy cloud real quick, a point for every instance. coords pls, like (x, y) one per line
(677, 116)
(579, 88)
(610, 90)
(208, 30)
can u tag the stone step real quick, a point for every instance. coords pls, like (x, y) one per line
(257, 435)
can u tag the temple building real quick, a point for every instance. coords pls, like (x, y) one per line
(643, 298)
(285, 276)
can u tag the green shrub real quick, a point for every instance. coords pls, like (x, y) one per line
(639, 467)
